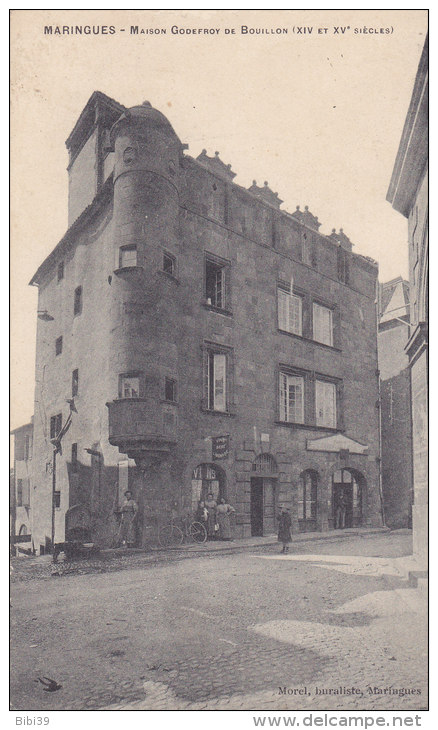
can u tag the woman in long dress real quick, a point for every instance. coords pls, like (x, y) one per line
(284, 529)
(223, 512)
(211, 506)
(128, 511)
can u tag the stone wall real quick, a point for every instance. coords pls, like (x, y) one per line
(163, 325)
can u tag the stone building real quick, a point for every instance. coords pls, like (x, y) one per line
(21, 488)
(408, 194)
(395, 398)
(195, 338)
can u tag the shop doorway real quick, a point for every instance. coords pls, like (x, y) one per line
(347, 489)
(308, 500)
(207, 479)
(263, 495)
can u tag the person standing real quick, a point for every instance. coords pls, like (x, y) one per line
(211, 507)
(341, 512)
(201, 513)
(284, 528)
(223, 512)
(128, 514)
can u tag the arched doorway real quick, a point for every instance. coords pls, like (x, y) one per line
(307, 500)
(263, 495)
(347, 494)
(206, 479)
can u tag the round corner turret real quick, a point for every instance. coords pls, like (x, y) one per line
(144, 140)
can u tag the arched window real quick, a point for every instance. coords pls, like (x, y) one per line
(307, 499)
(265, 464)
(23, 530)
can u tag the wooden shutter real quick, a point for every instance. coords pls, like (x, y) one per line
(283, 397)
(283, 310)
(220, 382)
(26, 493)
(325, 404)
(226, 287)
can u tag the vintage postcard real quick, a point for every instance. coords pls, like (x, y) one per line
(219, 259)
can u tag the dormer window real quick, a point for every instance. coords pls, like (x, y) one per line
(343, 265)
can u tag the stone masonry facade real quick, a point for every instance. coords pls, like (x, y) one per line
(395, 403)
(408, 194)
(190, 310)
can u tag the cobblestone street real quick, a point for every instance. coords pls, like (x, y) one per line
(227, 630)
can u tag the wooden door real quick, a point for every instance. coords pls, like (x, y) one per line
(256, 506)
(269, 525)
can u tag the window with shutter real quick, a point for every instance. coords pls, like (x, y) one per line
(19, 492)
(289, 312)
(127, 256)
(216, 379)
(322, 324)
(325, 398)
(217, 282)
(291, 398)
(26, 493)
(216, 375)
(55, 425)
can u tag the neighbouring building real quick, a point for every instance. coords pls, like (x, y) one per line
(194, 338)
(408, 194)
(21, 488)
(395, 398)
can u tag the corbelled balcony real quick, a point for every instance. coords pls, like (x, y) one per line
(138, 425)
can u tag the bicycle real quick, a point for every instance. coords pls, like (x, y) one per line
(171, 535)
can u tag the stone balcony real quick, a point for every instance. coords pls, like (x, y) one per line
(141, 425)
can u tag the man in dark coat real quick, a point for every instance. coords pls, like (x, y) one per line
(284, 529)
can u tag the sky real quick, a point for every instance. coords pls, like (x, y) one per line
(318, 115)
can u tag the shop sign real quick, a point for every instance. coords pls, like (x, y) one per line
(220, 447)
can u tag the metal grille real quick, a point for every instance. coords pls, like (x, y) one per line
(265, 464)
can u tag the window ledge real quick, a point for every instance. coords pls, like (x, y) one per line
(308, 339)
(307, 427)
(128, 269)
(168, 275)
(218, 310)
(169, 402)
(227, 414)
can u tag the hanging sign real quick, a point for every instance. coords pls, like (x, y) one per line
(220, 447)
